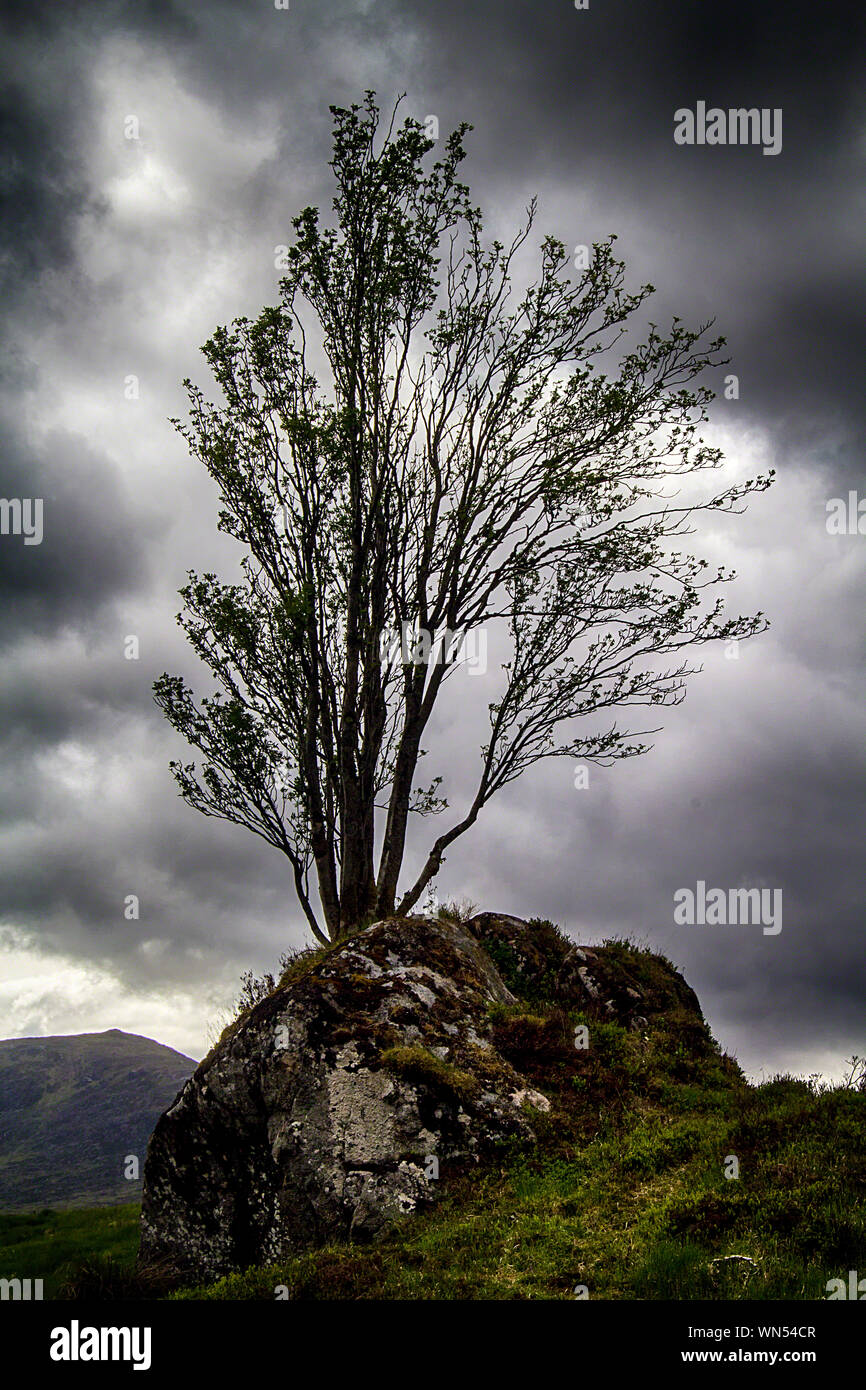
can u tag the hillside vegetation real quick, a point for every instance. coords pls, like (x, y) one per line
(73, 1108)
(623, 1194)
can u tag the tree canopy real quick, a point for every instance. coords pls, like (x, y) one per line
(404, 445)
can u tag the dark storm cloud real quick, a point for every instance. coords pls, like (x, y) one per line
(560, 97)
(570, 96)
(758, 778)
(47, 118)
(41, 196)
(92, 546)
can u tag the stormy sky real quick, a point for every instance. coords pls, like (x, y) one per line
(119, 257)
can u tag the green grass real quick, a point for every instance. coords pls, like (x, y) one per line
(48, 1244)
(638, 1211)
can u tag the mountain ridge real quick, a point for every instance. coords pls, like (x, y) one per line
(74, 1108)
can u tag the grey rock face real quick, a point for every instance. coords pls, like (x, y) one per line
(324, 1113)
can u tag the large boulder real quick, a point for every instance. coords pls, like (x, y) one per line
(378, 1067)
(328, 1110)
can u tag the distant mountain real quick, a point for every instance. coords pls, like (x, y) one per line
(73, 1108)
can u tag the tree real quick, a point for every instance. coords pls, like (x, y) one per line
(461, 464)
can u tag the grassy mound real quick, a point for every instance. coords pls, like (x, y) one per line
(625, 1194)
(628, 1191)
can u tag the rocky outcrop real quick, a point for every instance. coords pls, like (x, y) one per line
(336, 1104)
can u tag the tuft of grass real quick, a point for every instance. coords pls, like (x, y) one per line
(417, 1063)
(102, 1278)
(458, 912)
